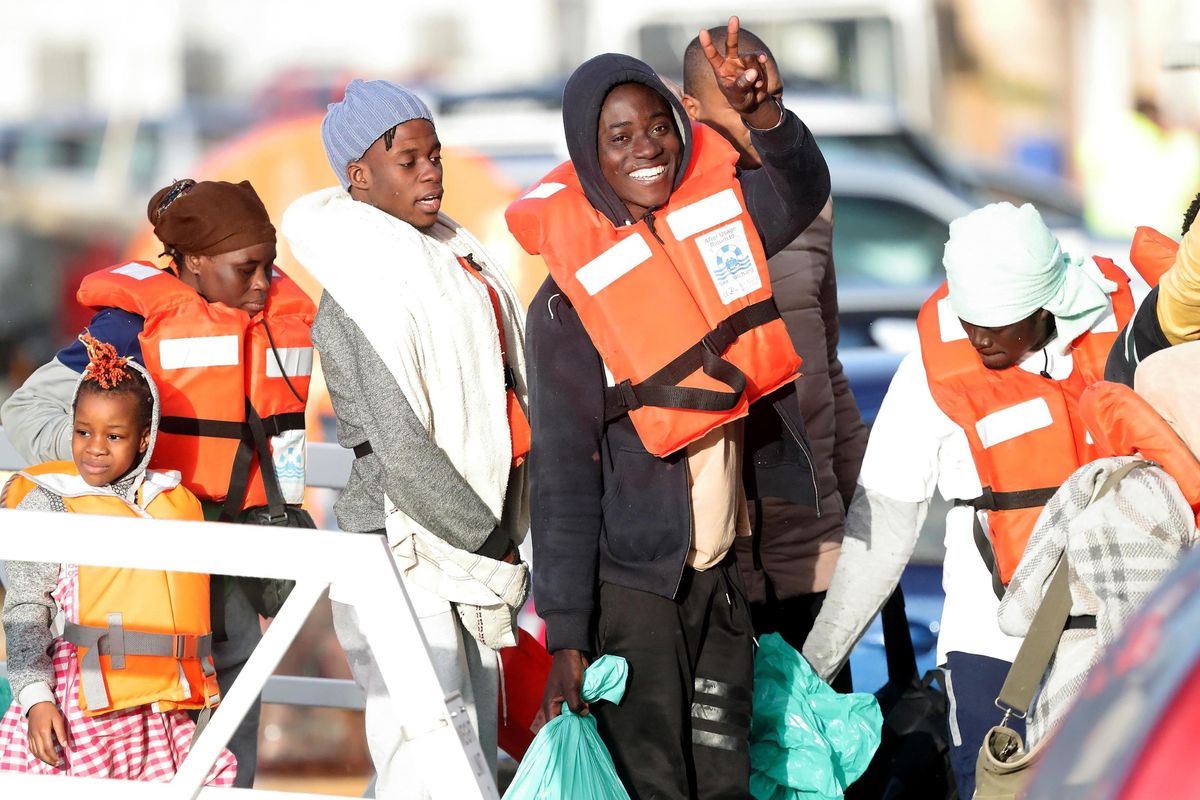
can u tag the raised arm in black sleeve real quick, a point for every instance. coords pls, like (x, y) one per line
(789, 190)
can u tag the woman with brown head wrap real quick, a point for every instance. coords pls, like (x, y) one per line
(220, 240)
(226, 337)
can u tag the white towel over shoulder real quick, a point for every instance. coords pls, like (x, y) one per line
(433, 326)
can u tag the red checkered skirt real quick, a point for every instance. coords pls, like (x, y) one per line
(135, 744)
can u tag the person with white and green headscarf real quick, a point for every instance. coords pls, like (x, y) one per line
(1018, 311)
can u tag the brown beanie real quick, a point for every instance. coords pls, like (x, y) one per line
(207, 218)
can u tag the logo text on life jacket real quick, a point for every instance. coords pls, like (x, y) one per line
(730, 262)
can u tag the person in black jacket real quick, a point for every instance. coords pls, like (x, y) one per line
(620, 565)
(787, 562)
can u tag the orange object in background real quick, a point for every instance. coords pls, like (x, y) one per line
(1152, 253)
(286, 159)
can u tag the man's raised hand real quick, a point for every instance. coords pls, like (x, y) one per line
(742, 78)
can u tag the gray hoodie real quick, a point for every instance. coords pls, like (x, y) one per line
(29, 609)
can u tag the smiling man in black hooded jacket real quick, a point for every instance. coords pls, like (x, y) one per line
(633, 552)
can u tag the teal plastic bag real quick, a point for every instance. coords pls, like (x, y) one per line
(567, 758)
(806, 740)
(5, 696)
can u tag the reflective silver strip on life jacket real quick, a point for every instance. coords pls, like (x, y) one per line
(139, 272)
(191, 352)
(543, 190)
(949, 325)
(703, 214)
(614, 262)
(117, 643)
(1014, 421)
(296, 362)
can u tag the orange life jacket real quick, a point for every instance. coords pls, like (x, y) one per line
(518, 424)
(143, 636)
(212, 363)
(1122, 423)
(1152, 254)
(678, 304)
(1024, 430)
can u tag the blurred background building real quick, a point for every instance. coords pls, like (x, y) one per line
(925, 108)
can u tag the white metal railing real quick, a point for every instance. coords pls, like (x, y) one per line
(362, 569)
(328, 467)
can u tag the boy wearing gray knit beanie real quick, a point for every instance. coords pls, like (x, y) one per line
(382, 145)
(417, 322)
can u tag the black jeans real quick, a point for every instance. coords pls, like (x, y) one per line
(236, 632)
(793, 619)
(683, 726)
(972, 684)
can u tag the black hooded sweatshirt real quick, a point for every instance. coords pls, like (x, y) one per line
(602, 507)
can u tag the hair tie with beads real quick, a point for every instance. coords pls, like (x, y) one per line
(104, 367)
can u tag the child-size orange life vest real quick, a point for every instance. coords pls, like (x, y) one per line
(1122, 423)
(1024, 430)
(211, 363)
(678, 304)
(143, 636)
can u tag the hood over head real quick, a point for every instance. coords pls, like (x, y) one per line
(583, 98)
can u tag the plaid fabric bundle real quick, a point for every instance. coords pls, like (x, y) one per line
(1118, 549)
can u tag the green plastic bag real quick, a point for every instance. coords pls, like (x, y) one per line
(567, 758)
(5, 696)
(806, 740)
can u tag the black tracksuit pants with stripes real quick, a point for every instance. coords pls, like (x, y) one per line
(682, 729)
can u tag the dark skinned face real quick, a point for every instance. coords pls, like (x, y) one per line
(638, 146)
(1002, 347)
(406, 180)
(107, 440)
(709, 106)
(239, 279)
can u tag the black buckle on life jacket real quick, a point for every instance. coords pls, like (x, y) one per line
(628, 397)
(720, 338)
(986, 501)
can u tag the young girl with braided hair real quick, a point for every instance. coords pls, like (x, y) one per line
(92, 651)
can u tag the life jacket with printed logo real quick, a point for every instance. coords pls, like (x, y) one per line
(142, 636)
(1152, 254)
(1024, 430)
(219, 371)
(1122, 423)
(678, 304)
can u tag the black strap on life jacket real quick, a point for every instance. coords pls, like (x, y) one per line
(662, 389)
(253, 438)
(1009, 501)
(1000, 501)
(255, 443)
(273, 425)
